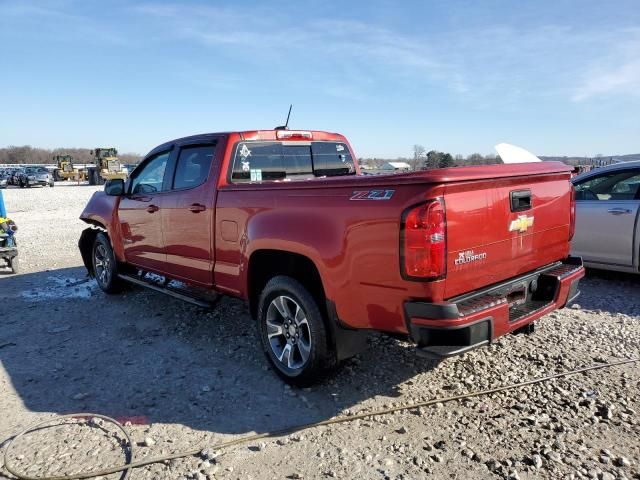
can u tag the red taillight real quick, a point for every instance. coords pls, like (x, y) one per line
(424, 241)
(572, 218)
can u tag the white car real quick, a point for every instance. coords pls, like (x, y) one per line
(608, 217)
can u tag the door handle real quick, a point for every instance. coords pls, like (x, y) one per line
(618, 211)
(196, 207)
(152, 208)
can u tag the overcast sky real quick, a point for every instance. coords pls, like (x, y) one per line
(556, 77)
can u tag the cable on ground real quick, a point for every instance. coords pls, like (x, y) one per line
(131, 463)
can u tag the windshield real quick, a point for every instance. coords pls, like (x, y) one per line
(106, 153)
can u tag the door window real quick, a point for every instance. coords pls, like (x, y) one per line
(151, 176)
(620, 185)
(193, 166)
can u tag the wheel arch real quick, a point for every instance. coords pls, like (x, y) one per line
(265, 264)
(85, 244)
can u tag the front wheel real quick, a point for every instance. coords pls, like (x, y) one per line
(105, 267)
(14, 264)
(293, 332)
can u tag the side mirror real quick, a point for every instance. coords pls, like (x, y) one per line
(115, 187)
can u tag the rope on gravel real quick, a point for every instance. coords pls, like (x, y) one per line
(131, 464)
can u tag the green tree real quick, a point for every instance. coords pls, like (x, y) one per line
(446, 161)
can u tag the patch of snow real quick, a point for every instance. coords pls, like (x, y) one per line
(62, 288)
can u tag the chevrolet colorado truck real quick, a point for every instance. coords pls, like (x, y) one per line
(449, 258)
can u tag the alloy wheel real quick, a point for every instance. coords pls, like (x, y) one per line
(288, 332)
(102, 264)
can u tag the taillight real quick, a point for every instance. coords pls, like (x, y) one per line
(572, 214)
(424, 241)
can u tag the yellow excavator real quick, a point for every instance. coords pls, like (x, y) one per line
(106, 166)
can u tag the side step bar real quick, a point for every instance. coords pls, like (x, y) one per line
(180, 294)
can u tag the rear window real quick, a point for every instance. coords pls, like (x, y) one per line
(271, 161)
(332, 159)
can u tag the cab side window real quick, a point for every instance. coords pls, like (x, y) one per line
(194, 163)
(151, 176)
(621, 185)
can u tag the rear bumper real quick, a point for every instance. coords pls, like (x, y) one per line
(42, 183)
(472, 320)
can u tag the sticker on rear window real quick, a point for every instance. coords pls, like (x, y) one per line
(246, 166)
(245, 152)
(339, 148)
(256, 175)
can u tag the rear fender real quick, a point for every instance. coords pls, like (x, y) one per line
(311, 236)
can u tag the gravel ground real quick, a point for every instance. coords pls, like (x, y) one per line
(183, 377)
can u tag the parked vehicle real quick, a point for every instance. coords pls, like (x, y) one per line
(608, 217)
(31, 176)
(451, 258)
(14, 176)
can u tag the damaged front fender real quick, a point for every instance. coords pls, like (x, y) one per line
(85, 244)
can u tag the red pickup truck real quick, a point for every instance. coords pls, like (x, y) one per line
(449, 258)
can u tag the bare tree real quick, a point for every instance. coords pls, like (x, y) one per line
(28, 155)
(418, 157)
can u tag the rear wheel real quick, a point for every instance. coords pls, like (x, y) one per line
(105, 267)
(293, 332)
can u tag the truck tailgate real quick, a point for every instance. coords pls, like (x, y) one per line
(500, 228)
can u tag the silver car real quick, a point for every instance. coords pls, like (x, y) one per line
(608, 217)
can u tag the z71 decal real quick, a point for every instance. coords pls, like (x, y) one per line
(372, 195)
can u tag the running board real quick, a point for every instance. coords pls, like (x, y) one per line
(180, 294)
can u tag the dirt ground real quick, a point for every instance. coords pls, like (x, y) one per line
(183, 377)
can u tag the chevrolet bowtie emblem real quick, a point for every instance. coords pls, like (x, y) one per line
(521, 224)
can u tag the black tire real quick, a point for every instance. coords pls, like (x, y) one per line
(312, 336)
(91, 176)
(51, 185)
(14, 264)
(105, 267)
(21, 184)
